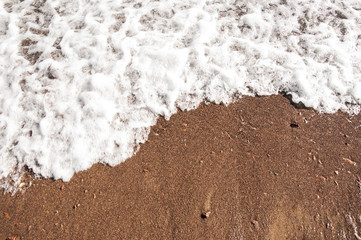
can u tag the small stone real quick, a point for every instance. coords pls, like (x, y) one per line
(255, 224)
(320, 178)
(336, 172)
(7, 215)
(12, 238)
(206, 214)
(349, 161)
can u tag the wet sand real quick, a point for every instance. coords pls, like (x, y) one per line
(257, 169)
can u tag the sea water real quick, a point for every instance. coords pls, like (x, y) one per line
(82, 81)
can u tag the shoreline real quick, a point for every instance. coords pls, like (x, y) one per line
(258, 168)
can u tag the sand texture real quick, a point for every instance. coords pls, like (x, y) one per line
(259, 168)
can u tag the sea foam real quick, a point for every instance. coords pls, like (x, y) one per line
(82, 81)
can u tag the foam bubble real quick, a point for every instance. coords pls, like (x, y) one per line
(82, 81)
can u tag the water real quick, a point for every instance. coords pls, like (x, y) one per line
(82, 81)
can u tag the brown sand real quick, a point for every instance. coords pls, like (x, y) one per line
(257, 169)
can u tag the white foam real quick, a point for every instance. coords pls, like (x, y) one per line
(83, 80)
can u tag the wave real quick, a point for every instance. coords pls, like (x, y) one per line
(82, 81)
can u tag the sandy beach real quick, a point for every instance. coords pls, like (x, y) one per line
(135, 119)
(259, 168)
